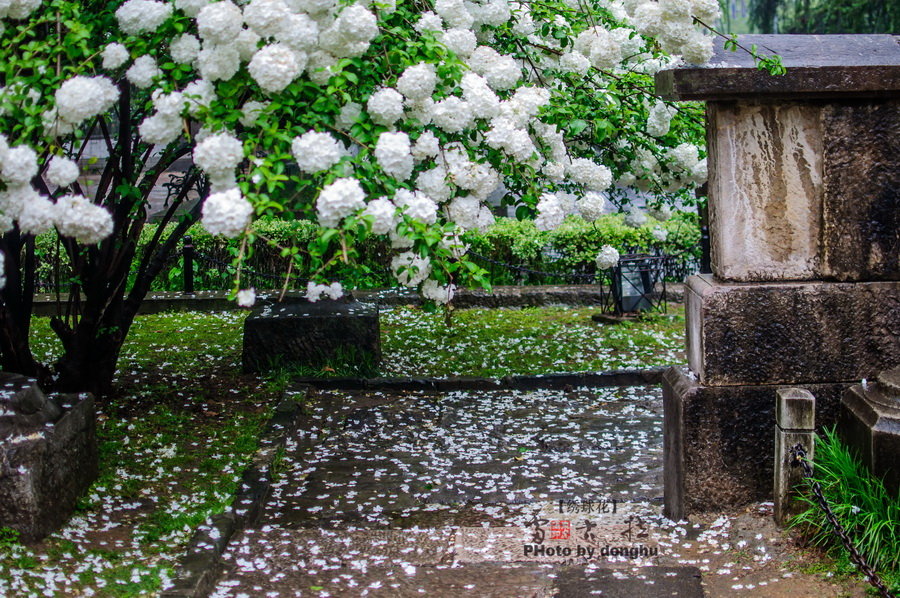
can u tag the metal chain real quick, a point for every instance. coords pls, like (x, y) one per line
(244, 271)
(798, 458)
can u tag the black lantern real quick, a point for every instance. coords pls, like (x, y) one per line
(634, 283)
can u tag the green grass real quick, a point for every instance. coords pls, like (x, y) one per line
(860, 501)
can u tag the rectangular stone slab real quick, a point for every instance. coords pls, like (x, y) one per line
(719, 441)
(805, 190)
(817, 66)
(791, 333)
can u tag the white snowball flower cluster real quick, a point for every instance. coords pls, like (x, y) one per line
(266, 17)
(316, 151)
(410, 269)
(394, 155)
(139, 16)
(19, 165)
(671, 22)
(226, 213)
(418, 81)
(315, 291)
(85, 222)
(18, 9)
(433, 183)
(142, 73)
(660, 234)
(81, 98)
(61, 171)
(385, 106)
(502, 72)
(595, 177)
(185, 48)
(607, 258)
(426, 146)
(246, 297)
(468, 213)
(452, 114)
(440, 294)
(338, 200)
(275, 66)
(219, 22)
(114, 56)
(417, 206)
(686, 157)
(660, 119)
(481, 100)
(591, 206)
(38, 215)
(219, 152)
(383, 214)
(550, 212)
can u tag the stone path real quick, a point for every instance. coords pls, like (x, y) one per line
(501, 493)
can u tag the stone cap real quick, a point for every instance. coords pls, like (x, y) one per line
(818, 66)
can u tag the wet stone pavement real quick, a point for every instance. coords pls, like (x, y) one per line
(494, 494)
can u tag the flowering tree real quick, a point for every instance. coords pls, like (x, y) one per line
(372, 118)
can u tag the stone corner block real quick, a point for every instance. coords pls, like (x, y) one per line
(790, 332)
(43, 471)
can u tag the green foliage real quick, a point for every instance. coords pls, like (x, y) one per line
(862, 504)
(825, 16)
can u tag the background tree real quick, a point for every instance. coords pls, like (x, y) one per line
(372, 119)
(825, 16)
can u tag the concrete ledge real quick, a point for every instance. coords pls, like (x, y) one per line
(791, 333)
(541, 381)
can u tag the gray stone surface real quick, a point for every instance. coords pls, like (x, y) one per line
(718, 447)
(23, 406)
(818, 66)
(647, 582)
(43, 470)
(805, 190)
(791, 333)
(313, 335)
(869, 423)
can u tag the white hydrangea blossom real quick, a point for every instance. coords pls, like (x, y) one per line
(426, 146)
(550, 212)
(61, 171)
(660, 234)
(38, 215)
(191, 7)
(218, 62)
(392, 152)
(418, 81)
(481, 99)
(160, 129)
(251, 111)
(595, 177)
(433, 183)
(20, 165)
(607, 258)
(428, 21)
(417, 206)
(143, 71)
(275, 66)
(410, 269)
(266, 17)
(440, 294)
(315, 291)
(114, 56)
(218, 154)
(227, 213)
(139, 16)
(316, 151)
(338, 200)
(246, 297)
(452, 114)
(591, 206)
(219, 22)
(461, 42)
(85, 222)
(660, 119)
(81, 98)
(350, 113)
(384, 215)
(385, 106)
(299, 32)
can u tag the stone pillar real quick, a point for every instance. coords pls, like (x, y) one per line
(795, 422)
(804, 210)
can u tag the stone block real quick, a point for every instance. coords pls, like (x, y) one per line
(45, 469)
(718, 447)
(312, 335)
(805, 190)
(869, 423)
(791, 333)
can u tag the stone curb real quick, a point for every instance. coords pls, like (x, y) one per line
(501, 296)
(642, 377)
(197, 568)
